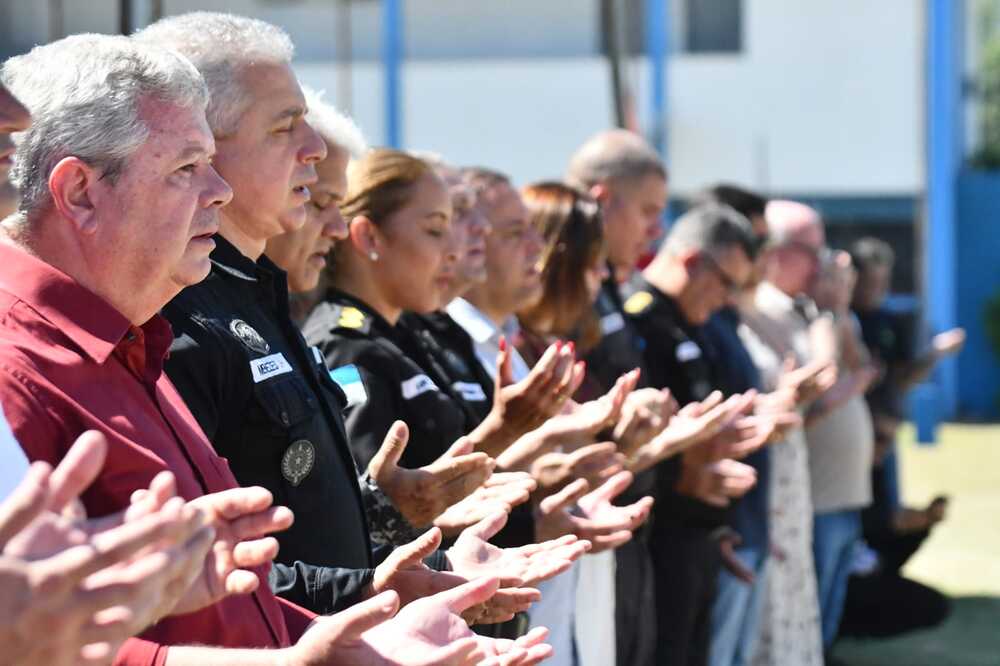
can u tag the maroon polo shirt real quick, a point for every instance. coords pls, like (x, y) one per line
(70, 362)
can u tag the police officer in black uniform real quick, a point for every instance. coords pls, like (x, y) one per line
(267, 404)
(370, 358)
(692, 266)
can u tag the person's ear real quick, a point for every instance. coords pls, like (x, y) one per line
(365, 237)
(691, 260)
(72, 187)
(601, 193)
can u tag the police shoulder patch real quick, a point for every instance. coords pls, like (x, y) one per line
(351, 317)
(638, 302)
(249, 336)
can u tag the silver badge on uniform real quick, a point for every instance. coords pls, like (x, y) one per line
(249, 336)
(298, 461)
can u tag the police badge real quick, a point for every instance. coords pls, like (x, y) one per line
(249, 336)
(298, 461)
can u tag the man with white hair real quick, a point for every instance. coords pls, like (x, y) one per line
(263, 397)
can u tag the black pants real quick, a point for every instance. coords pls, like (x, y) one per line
(885, 603)
(635, 605)
(686, 566)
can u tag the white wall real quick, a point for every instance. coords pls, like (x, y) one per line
(826, 97)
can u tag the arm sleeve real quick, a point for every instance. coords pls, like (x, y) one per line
(322, 590)
(192, 367)
(41, 435)
(140, 652)
(297, 619)
(368, 423)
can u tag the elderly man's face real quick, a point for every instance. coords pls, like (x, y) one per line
(302, 253)
(155, 223)
(270, 159)
(471, 228)
(13, 118)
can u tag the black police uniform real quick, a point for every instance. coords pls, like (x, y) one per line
(448, 355)
(685, 554)
(266, 402)
(620, 350)
(359, 344)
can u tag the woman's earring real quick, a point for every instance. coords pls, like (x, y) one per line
(373, 255)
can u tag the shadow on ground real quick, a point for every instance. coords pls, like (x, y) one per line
(969, 637)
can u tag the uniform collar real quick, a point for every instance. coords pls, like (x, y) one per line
(272, 280)
(84, 317)
(667, 304)
(334, 295)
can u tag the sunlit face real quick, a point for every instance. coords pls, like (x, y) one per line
(633, 218)
(155, 223)
(416, 249)
(471, 228)
(716, 279)
(13, 118)
(513, 251)
(302, 253)
(270, 158)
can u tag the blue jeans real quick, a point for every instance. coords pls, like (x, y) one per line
(834, 536)
(736, 611)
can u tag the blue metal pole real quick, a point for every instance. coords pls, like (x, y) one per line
(392, 56)
(943, 159)
(657, 47)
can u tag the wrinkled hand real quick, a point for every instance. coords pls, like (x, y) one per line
(429, 632)
(473, 556)
(241, 518)
(718, 482)
(423, 494)
(501, 492)
(74, 589)
(595, 463)
(949, 342)
(645, 414)
(591, 515)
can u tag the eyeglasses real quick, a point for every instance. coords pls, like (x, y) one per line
(730, 285)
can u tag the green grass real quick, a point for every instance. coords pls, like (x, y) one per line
(961, 558)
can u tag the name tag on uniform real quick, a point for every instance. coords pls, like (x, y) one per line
(470, 391)
(269, 366)
(416, 385)
(349, 380)
(688, 351)
(612, 323)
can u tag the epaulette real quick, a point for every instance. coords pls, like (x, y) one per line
(352, 318)
(638, 302)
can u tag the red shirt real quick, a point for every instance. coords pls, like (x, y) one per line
(70, 362)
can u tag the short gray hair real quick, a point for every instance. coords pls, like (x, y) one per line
(84, 92)
(220, 46)
(615, 155)
(711, 227)
(335, 127)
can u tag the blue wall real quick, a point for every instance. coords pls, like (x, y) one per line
(978, 277)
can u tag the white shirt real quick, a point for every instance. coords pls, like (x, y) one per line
(486, 337)
(555, 610)
(13, 463)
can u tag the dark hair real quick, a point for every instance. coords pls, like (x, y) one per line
(743, 201)
(711, 226)
(869, 252)
(570, 222)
